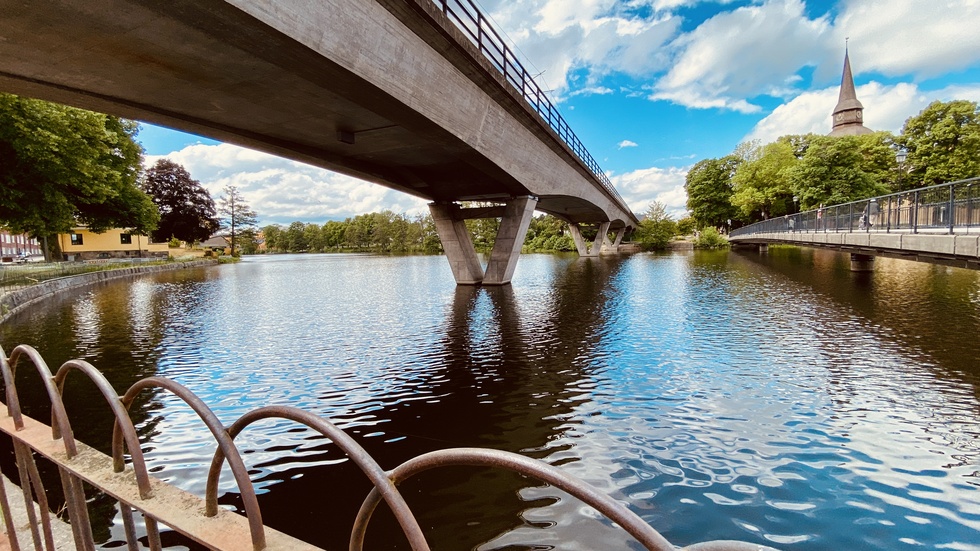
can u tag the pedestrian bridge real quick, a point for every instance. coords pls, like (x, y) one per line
(422, 96)
(938, 224)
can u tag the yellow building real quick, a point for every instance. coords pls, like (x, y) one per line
(82, 244)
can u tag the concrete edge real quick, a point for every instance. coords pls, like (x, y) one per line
(16, 301)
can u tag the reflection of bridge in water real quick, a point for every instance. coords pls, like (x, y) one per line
(939, 224)
(420, 96)
(532, 398)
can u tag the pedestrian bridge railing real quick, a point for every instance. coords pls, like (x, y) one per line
(951, 208)
(146, 503)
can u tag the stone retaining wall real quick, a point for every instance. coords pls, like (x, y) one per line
(15, 301)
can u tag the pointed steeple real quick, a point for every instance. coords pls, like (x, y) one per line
(848, 116)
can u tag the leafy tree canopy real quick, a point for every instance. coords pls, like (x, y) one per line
(656, 228)
(837, 170)
(187, 211)
(709, 191)
(61, 167)
(943, 143)
(761, 183)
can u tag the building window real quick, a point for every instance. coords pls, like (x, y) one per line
(126, 238)
(76, 239)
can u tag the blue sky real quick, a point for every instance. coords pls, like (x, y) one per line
(653, 86)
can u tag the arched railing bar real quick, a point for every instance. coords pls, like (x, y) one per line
(476, 457)
(367, 464)
(225, 444)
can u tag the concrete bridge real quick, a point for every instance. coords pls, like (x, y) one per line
(421, 96)
(938, 224)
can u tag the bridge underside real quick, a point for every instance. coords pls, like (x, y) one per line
(336, 91)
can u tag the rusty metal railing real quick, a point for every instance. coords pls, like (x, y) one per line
(131, 486)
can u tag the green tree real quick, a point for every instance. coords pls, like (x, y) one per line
(333, 234)
(237, 214)
(686, 226)
(943, 143)
(272, 234)
(296, 238)
(186, 209)
(761, 182)
(837, 170)
(62, 167)
(709, 191)
(656, 228)
(248, 240)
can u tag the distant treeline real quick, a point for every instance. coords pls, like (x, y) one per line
(388, 232)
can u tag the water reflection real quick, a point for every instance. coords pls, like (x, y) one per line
(774, 399)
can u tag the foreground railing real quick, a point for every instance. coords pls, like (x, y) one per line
(124, 476)
(946, 208)
(468, 18)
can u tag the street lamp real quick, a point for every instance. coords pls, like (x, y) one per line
(900, 155)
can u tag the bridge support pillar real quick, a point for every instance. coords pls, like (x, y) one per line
(763, 248)
(613, 247)
(510, 239)
(588, 249)
(457, 243)
(862, 262)
(450, 220)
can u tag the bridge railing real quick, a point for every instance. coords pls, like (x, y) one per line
(948, 208)
(146, 503)
(468, 18)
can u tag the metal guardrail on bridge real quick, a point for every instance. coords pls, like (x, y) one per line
(128, 481)
(468, 18)
(946, 208)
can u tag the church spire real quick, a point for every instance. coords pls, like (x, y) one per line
(849, 113)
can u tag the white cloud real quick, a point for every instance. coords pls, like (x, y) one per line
(558, 37)
(641, 188)
(911, 37)
(282, 191)
(741, 54)
(759, 49)
(886, 107)
(627, 143)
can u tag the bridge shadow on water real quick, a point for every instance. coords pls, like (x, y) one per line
(929, 311)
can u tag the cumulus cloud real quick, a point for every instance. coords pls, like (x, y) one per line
(886, 107)
(282, 191)
(571, 44)
(627, 143)
(741, 54)
(729, 60)
(640, 188)
(911, 37)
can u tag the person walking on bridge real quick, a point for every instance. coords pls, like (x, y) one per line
(872, 213)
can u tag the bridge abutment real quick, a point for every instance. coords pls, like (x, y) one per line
(450, 220)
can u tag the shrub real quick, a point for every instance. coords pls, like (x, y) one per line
(710, 239)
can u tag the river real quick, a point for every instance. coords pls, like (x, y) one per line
(778, 399)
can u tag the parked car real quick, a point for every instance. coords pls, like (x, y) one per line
(25, 258)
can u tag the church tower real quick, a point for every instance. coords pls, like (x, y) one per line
(848, 116)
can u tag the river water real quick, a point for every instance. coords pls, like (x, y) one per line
(777, 399)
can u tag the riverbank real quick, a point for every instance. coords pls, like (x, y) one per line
(19, 299)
